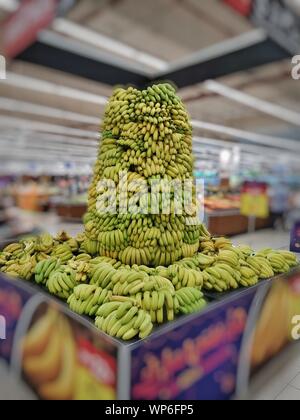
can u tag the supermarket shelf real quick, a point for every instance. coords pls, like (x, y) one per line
(223, 213)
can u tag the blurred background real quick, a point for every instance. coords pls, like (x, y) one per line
(232, 63)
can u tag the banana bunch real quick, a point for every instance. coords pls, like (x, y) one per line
(289, 257)
(207, 247)
(87, 299)
(230, 257)
(156, 282)
(221, 277)
(203, 261)
(248, 276)
(132, 255)
(81, 268)
(45, 243)
(44, 269)
(244, 250)
(14, 251)
(158, 303)
(63, 252)
(189, 300)
(62, 282)
(261, 266)
(89, 246)
(73, 244)
(222, 243)
(278, 262)
(4, 258)
(22, 268)
(62, 236)
(126, 281)
(102, 275)
(184, 277)
(94, 262)
(124, 320)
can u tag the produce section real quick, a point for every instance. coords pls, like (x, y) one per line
(131, 271)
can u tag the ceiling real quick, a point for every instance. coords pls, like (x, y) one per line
(51, 116)
(166, 29)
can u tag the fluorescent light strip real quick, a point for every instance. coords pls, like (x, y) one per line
(279, 142)
(13, 105)
(268, 108)
(30, 83)
(35, 145)
(28, 125)
(256, 149)
(9, 5)
(14, 133)
(219, 49)
(98, 40)
(32, 156)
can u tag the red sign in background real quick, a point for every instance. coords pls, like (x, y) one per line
(21, 28)
(244, 7)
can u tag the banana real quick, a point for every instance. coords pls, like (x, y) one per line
(36, 340)
(123, 309)
(147, 301)
(130, 334)
(108, 308)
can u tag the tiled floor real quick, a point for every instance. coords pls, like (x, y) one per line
(280, 379)
(264, 239)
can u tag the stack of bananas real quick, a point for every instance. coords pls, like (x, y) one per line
(131, 270)
(98, 287)
(234, 267)
(147, 136)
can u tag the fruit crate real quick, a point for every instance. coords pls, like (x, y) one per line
(52, 353)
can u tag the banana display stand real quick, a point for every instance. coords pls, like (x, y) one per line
(51, 353)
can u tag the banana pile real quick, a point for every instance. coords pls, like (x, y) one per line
(93, 286)
(131, 270)
(147, 136)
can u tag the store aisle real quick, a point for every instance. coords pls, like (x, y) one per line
(280, 379)
(264, 239)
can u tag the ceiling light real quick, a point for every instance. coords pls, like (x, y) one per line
(256, 138)
(9, 5)
(98, 40)
(30, 83)
(266, 107)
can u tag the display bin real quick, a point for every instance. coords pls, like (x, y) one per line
(49, 352)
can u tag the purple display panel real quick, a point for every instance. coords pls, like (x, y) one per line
(12, 302)
(295, 238)
(197, 360)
